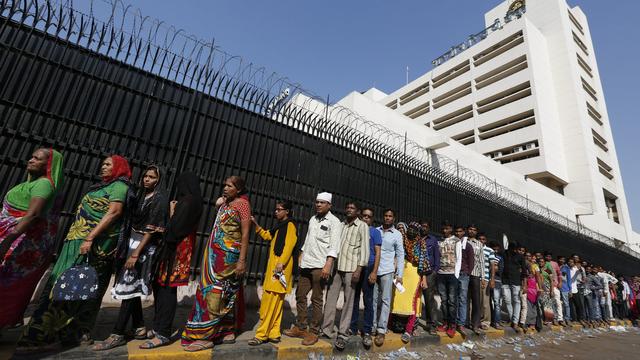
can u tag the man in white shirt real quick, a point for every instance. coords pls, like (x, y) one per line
(607, 279)
(321, 247)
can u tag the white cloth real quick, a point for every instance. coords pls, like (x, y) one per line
(324, 196)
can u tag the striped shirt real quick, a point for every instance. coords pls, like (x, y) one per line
(354, 248)
(489, 258)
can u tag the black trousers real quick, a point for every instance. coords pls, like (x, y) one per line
(475, 287)
(577, 301)
(431, 312)
(130, 308)
(165, 303)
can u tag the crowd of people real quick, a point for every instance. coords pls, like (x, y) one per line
(400, 272)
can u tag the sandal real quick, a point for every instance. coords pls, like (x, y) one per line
(406, 337)
(109, 343)
(256, 342)
(199, 346)
(229, 339)
(140, 333)
(275, 340)
(151, 344)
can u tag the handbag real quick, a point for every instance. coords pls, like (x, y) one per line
(79, 282)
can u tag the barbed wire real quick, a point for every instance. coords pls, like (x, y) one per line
(153, 46)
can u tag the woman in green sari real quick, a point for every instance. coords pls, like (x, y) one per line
(95, 233)
(28, 225)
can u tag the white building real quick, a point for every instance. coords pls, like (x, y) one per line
(526, 93)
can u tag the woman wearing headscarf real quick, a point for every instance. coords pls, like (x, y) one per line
(174, 256)
(136, 258)
(277, 280)
(28, 225)
(407, 305)
(94, 235)
(212, 318)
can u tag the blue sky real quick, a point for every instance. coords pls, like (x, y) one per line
(334, 47)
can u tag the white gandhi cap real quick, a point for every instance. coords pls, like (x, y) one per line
(324, 196)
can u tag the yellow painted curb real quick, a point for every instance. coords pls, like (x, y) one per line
(292, 348)
(173, 351)
(492, 333)
(456, 339)
(557, 328)
(392, 342)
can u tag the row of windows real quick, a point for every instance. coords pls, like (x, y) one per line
(514, 153)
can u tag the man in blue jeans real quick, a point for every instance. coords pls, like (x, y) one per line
(466, 267)
(495, 284)
(391, 267)
(565, 289)
(367, 282)
(447, 278)
(512, 278)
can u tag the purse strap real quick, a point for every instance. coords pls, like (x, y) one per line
(85, 260)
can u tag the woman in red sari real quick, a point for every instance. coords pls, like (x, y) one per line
(28, 224)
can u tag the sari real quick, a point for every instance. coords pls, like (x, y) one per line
(545, 300)
(29, 255)
(65, 322)
(213, 315)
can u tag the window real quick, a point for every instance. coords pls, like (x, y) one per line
(501, 72)
(610, 201)
(415, 93)
(515, 152)
(589, 89)
(605, 169)
(418, 111)
(453, 118)
(393, 104)
(599, 140)
(580, 44)
(499, 48)
(452, 95)
(505, 97)
(575, 22)
(583, 64)
(595, 115)
(512, 123)
(465, 138)
(451, 74)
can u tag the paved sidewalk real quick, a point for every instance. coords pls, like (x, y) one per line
(288, 349)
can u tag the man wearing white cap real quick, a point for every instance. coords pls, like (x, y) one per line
(320, 249)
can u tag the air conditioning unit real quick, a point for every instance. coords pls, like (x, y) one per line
(528, 146)
(517, 149)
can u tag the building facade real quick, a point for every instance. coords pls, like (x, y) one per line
(526, 93)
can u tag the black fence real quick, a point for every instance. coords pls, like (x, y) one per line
(82, 94)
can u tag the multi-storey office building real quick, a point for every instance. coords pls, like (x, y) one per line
(526, 93)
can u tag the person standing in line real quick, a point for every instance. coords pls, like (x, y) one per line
(578, 279)
(608, 281)
(495, 286)
(512, 278)
(173, 266)
(390, 270)
(557, 284)
(353, 258)
(622, 298)
(277, 279)
(595, 287)
(433, 257)
(488, 266)
(136, 258)
(94, 235)
(367, 282)
(524, 309)
(213, 319)
(545, 298)
(466, 268)
(407, 305)
(450, 248)
(535, 288)
(476, 280)
(321, 247)
(28, 226)
(565, 290)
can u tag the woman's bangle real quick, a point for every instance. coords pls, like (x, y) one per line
(134, 256)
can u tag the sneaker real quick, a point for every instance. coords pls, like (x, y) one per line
(310, 339)
(451, 331)
(367, 341)
(340, 344)
(295, 332)
(379, 340)
(442, 328)
(433, 331)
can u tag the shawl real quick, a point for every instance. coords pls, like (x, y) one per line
(188, 208)
(281, 229)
